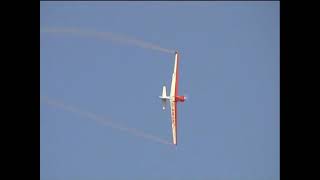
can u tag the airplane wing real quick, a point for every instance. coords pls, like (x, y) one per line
(174, 82)
(173, 107)
(173, 103)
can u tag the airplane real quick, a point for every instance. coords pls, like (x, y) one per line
(174, 98)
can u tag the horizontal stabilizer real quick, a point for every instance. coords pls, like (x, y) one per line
(164, 103)
(164, 97)
(164, 91)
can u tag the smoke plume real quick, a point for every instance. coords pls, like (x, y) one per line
(108, 36)
(103, 121)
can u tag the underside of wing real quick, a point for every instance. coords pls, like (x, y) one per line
(173, 85)
(174, 82)
(173, 108)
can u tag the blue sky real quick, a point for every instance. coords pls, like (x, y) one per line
(228, 127)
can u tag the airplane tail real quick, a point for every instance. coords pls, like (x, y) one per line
(164, 91)
(164, 97)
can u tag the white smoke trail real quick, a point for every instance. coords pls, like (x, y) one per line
(108, 36)
(104, 121)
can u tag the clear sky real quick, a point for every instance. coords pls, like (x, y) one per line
(227, 129)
